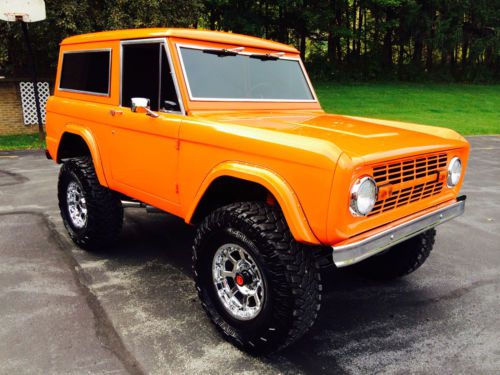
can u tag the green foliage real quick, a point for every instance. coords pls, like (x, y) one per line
(449, 40)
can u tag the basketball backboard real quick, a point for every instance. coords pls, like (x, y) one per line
(22, 10)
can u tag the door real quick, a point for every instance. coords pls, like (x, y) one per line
(144, 152)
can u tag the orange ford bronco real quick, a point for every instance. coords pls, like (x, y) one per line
(226, 132)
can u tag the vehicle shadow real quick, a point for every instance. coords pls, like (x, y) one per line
(358, 317)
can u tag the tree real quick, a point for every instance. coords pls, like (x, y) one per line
(363, 39)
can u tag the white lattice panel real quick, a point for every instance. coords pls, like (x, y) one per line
(28, 101)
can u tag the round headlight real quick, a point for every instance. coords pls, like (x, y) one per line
(454, 172)
(363, 196)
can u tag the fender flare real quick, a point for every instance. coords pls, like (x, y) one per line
(281, 190)
(89, 139)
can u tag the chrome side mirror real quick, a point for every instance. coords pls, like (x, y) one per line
(141, 105)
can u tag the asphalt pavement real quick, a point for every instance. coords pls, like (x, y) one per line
(133, 308)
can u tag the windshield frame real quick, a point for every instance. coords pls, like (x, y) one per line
(254, 52)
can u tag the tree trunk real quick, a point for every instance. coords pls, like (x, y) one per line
(401, 54)
(348, 39)
(338, 46)
(376, 31)
(359, 31)
(417, 52)
(465, 48)
(429, 58)
(303, 45)
(331, 48)
(354, 28)
(282, 29)
(365, 35)
(387, 47)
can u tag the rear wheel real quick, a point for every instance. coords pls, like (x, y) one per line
(400, 260)
(92, 214)
(259, 286)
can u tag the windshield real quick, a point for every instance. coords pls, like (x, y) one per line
(231, 76)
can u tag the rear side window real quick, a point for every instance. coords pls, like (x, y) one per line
(86, 71)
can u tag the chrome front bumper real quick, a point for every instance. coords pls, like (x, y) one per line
(352, 253)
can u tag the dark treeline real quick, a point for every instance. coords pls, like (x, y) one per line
(346, 39)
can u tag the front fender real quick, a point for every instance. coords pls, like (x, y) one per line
(281, 190)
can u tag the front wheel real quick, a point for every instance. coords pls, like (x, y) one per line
(258, 285)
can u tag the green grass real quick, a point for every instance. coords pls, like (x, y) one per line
(469, 109)
(21, 142)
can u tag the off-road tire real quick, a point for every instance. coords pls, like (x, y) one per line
(104, 208)
(289, 269)
(400, 260)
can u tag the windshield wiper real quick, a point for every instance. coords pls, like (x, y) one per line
(224, 51)
(267, 56)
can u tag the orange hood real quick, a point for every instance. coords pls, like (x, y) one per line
(369, 139)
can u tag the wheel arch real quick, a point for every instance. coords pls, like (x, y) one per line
(78, 141)
(265, 182)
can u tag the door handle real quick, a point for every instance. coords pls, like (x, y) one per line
(114, 112)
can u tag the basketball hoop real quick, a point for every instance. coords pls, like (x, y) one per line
(22, 10)
(25, 11)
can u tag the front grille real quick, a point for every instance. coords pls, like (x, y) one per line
(404, 172)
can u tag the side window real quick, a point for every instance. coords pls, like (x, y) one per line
(146, 74)
(86, 71)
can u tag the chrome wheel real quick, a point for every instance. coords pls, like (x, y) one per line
(238, 281)
(77, 206)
